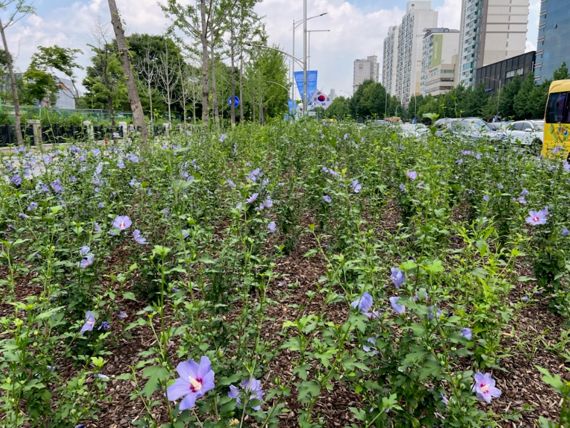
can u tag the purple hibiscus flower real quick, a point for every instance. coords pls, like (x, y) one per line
(412, 175)
(248, 390)
(363, 303)
(56, 186)
(87, 261)
(195, 380)
(356, 186)
(89, 322)
(466, 333)
(272, 227)
(399, 309)
(397, 277)
(484, 387)
(139, 239)
(16, 180)
(536, 218)
(252, 198)
(122, 222)
(327, 199)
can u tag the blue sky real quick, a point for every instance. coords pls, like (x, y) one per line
(358, 28)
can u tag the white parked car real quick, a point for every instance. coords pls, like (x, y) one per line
(528, 133)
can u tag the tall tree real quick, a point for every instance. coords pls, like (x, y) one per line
(17, 9)
(55, 58)
(136, 107)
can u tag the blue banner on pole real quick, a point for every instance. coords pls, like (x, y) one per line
(292, 107)
(311, 83)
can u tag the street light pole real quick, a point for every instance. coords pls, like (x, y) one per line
(295, 25)
(305, 92)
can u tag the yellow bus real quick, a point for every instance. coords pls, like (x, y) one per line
(557, 121)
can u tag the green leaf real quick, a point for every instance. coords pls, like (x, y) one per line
(308, 390)
(155, 376)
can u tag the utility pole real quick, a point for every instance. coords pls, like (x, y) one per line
(305, 89)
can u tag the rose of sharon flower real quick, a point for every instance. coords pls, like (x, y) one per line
(249, 389)
(195, 380)
(89, 322)
(122, 222)
(412, 175)
(397, 277)
(272, 227)
(466, 333)
(139, 239)
(536, 218)
(399, 309)
(356, 186)
(484, 387)
(252, 198)
(327, 199)
(363, 303)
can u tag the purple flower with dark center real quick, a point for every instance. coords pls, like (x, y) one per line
(255, 174)
(356, 186)
(133, 158)
(89, 322)
(397, 277)
(272, 227)
(32, 206)
(195, 380)
(363, 303)
(122, 222)
(327, 199)
(524, 193)
(484, 387)
(565, 232)
(466, 333)
(536, 218)
(87, 261)
(83, 251)
(399, 309)
(105, 326)
(248, 390)
(252, 198)
(412, 175)
(139, 239)
(268, 203)
(486, 198)
(56, 186)
(16, 180)
(96, 152)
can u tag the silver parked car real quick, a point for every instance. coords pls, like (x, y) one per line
(527, 132)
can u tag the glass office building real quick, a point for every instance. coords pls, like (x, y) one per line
(553, 38)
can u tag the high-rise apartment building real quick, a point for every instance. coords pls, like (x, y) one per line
(390, 60)
(491, 31)
(553, 36)
(419, 16)
(440, 55)
(365, 69)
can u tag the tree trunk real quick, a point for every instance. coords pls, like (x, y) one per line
(136, 107)
(232, 65)
(215, 107)
(241, 85)
(205, 60)
(13, 88)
